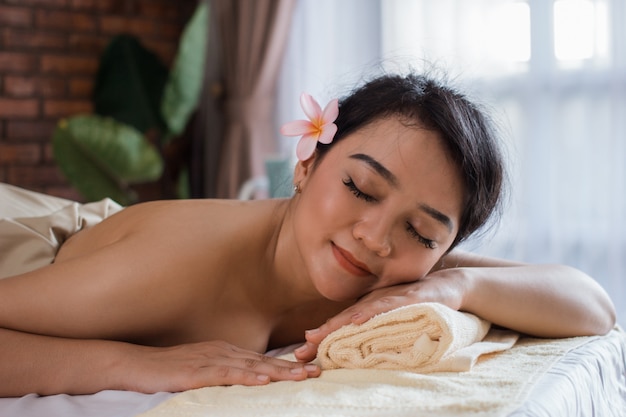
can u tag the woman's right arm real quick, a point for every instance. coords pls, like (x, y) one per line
(62, 327)
(31, 363)
(46, 365)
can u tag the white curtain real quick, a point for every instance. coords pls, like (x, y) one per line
(554, 75)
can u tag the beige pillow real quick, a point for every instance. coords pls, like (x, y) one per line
(33, 226)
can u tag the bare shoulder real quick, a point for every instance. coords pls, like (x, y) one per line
(138, 272)
(191, 223)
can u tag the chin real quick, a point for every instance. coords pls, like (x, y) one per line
(335, 285)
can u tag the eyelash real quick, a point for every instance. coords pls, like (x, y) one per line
(358, 193)
(428, 243)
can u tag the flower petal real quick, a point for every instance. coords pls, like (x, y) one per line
(297, 128)
(306, 147)
(311, 107)
(328, 133)
(331, 111)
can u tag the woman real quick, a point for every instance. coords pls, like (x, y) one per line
(174, 295)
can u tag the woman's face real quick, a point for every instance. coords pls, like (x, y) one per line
(379, 209)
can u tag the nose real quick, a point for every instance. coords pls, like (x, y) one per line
(374, 234)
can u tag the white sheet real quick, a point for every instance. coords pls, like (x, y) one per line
(588, 381)
(102, 404)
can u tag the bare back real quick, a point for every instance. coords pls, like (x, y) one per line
(160, 273)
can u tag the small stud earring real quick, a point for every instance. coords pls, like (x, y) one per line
(296, 188)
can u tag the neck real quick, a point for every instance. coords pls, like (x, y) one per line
(286, 283)
(280, 287)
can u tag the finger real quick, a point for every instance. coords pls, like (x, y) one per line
(277, 369)
(316, 336)
(359, 313)
(225, 354)
(247, 373)
(307, 352)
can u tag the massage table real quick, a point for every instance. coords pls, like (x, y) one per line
(584, 376)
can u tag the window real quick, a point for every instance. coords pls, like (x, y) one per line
(580, 30)
(554, 73)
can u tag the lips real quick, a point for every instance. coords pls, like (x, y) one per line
(349, 263)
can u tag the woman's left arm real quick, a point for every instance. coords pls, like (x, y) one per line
(540, 300)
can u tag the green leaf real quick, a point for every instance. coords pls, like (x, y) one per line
(129, 84)
(183, 189)
(102, 157)
(183, 88)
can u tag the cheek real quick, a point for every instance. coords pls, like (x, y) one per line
(325, 202)
(318, 217)
(409, 266)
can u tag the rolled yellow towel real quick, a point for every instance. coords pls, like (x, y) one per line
(427, 337)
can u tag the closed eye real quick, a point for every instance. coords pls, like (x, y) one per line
(428, 243)
(355, 190)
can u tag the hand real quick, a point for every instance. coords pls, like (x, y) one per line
(445, 286)
(197, 365)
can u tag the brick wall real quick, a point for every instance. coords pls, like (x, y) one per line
(49, 54)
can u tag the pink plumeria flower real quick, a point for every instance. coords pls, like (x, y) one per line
(319, 127)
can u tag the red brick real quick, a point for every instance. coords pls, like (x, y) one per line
(135, 26)
(18, 108)
(67, 192)
(17, 86)
(88, 43)
(20, 153)
(81, 87)
(158, 9)
(30, 130)
(165, 50)
(15, 16)
(17, 62)
(64, 64)
(168, 30)
(45, 3)
(48, 152)
(16, 38)
(52, 87)
(68, 21)
(107, 6)
(66, 108)
(37, 175)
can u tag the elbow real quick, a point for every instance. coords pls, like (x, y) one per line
(604, 315)
(609, 319)
(600, 316)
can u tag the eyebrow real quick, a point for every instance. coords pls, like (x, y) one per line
(378, 167)
(393, 181)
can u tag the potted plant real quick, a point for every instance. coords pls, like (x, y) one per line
(140, 112)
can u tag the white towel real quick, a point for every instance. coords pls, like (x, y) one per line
(427, 337)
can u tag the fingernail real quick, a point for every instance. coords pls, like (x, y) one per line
(296, 371)
(311, 368)
(356, 316)
(312, 331)
(300, 349)
(263, 378)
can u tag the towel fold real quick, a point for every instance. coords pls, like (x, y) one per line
(426, 337)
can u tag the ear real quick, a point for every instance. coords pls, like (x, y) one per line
(303, 170)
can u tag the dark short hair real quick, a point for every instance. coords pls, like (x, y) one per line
(469, 135)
